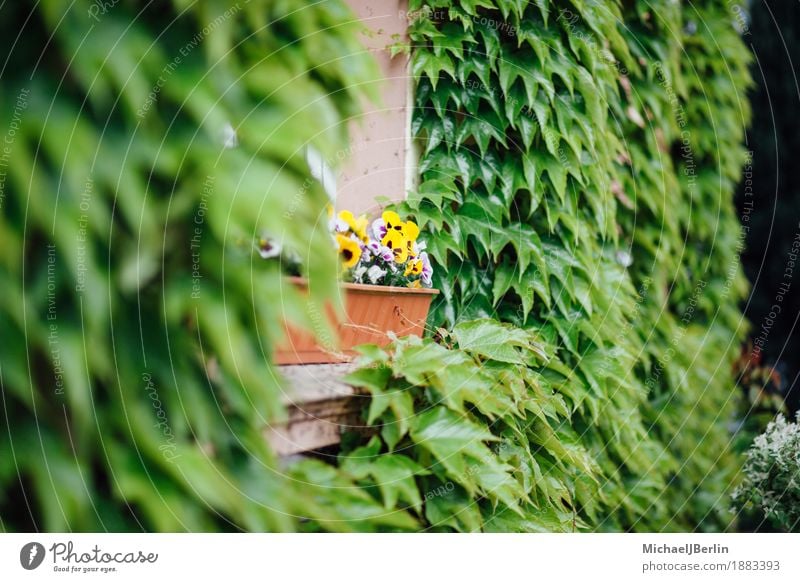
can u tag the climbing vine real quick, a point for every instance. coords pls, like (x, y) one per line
(577, 161)
(576, 180)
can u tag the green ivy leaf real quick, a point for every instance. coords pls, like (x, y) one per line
(432, 66)
(497, 341)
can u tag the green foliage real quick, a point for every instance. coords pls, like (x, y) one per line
(136, 321)
(579, 207)
(585, 246)
(479, 430)
(771, 485)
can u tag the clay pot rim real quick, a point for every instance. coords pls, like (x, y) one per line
(378, 289)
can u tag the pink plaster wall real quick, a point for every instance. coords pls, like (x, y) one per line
(379, 145)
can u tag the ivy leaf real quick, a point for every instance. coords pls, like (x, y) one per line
(471, 6)
(563, 68)
(435, 191)
(491, 42)
(471, 95)
(332, 496)
(372, 377)
(450, 437)
(542, 112)
(507, 174)
(432, 66)
(527, 130)
(378, 404)
(531, 173)
(497, 341)
(504, 274)
(591, 97)
(419, 363)
(566, 116)
(402, 405)
(394, 475)
(494, 478)
(438, 130)
(462, 162)
(538, 280)
(446, 99)
(390, 433)
(449, 506)
(582, 293)
(420, 30)
(568, 330)
(357, 462)
(595, 369)
(516, 104)
(544, 9)
(526, 242)
(538, 74)
(488, 169)
(443, 430)
(557, 174)
(451, 39)
(476, 222)
(508, 72)
(476, 64)
(526, 295)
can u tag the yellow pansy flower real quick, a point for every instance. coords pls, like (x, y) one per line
(392, 221)
(395, 240)
(358, 226)
(347, 217)
(411, 231)
(415, 284)
(413, 267)
(361, 228)
(349, 249)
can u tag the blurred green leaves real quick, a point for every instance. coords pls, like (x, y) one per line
(155, 144)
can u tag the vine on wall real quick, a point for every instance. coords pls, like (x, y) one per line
(577, 173)
(578, 160)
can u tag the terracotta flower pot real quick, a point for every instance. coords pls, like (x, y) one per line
(371, 311)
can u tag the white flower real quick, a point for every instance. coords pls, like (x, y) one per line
(387, 254)
(358, 273)
(771, 472)
(375, 274)
(268, 248)
(427, 269)
(340, 225)
(378, 229)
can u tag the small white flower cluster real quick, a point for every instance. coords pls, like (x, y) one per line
(373, 274)
(771, 481)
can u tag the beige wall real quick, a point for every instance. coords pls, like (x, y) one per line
(379, 145)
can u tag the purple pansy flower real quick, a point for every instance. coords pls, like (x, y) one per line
(387, 254)
(427, 269)
(378, 229)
